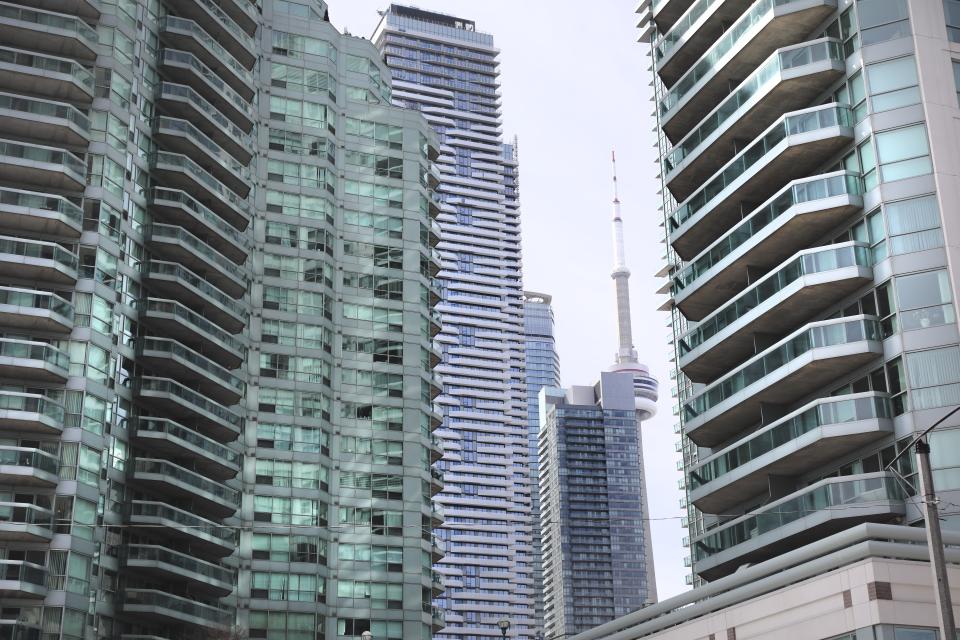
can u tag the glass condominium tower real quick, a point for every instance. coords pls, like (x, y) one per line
(543, 370)
(810, 205)
(216, 252)
(444, 68)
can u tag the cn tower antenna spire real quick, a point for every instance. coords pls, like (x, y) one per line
(621, 278)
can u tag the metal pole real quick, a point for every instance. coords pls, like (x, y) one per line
(935, 543)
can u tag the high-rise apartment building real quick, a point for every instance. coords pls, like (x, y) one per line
(446, 69)
(215, 327)
(810, 204)
(543, 370)
(595, 546)
(597, 553)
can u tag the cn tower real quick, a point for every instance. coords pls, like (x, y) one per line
(644, 385)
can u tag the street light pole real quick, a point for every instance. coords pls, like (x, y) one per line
(938, 561)
(935, 540)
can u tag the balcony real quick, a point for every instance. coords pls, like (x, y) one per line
(187, 68)
(180, 172)
(702, 24)
(171, 609)
(189, 36)
(35, 361)
(204, 536)
(27, 466)
(179, 208)
(40, 213)
(798, 290)
(808, 515)
(169, 479)
(181, 101)
(53, 33)
(763, 28)
(209, 456)
(790, 77)
(27, 309)
(86, 9)
(172, 280)
(30, 413)
(438, 584)
(436, 481)
(37, 261)
(169, 357)
(792, 148)
(667, 12)
(20, 579)
(26, 165)
(784, 374)
(438, 617)
(54, 122)
(796, 217)
(222, 26)
(42, 75)
(819, 432)
(172, 319)
(25, 522)
(176, 244)
(169, 565)
(179, 401)
(182, 137)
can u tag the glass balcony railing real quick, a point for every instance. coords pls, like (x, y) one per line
(807, 190)
(41, 202)
(184, 58)
(45, 155)
(24, 513)
(228, 23)
(162, 426)
(147, 510)
(677, 33)
(196, 136)
(817, 336)
(45, 108)
(32, 403)
(828, 411)
(202, 176)
(202, 213)
(29, 458)
(170, 90)
(761, 79)
(831, 494)
(173, 23)
(187, 239)
(41, 300)
(136, 600)
(177, 473)
(155, 305)
(29, 350)
(175, 349)
(817, 260)
(19, 571)
(156, 268)
(832, 115)
(40, 250)
(761, 12)
(81, 75)
(73, 26)
(165, 385)
(162, 555)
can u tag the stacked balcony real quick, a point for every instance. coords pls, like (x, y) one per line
(806, 515)
(781, 375)
(19, 579)
(25, 522)
(193, 312)
(791, 148)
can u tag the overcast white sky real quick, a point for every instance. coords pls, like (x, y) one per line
(576, 85)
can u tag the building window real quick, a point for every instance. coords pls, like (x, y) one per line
(893, 84)
(882, 20)
(903, 153)
(956, 78)
(934, 377)
(914, 225)
(951, 11)
(924, 300)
